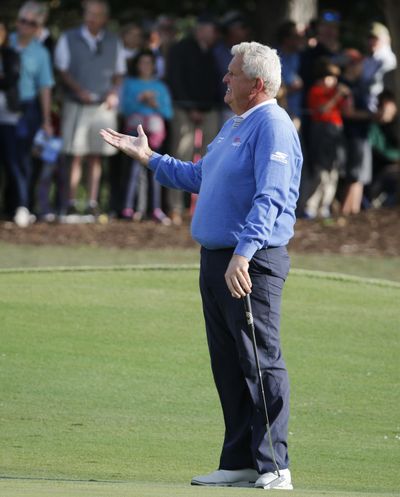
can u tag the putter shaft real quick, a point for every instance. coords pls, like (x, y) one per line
(251, 327)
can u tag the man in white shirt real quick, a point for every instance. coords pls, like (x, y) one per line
(91, 64)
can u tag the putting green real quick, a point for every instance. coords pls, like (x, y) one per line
(105, 375)
(31, 488)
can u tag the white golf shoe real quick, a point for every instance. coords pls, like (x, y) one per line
(227, 478)
(269, 481)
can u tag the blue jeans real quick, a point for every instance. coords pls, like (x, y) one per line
(26, 128)
(137, 187)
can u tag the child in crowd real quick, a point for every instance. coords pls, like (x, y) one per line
(326, 99)
(53, 173)
(145, 100)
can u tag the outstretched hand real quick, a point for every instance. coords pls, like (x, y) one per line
(136, 147)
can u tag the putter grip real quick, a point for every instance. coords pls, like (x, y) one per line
(247, 308)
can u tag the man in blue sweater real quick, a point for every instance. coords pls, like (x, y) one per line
(248, 186)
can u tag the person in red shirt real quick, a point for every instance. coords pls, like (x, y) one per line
(326, 99)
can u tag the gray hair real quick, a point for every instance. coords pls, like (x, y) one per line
(38, 9)
(260, 61)
(102, 3)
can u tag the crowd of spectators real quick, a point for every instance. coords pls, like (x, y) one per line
(56, 95)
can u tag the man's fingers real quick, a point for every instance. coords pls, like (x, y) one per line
(244, 281)
(110, 139)
(237, 277)
(232, 289)
(106, 134)
(237, 286)
(114, 133)
(107, 137)
(140, 130)
(248, 280)
(241, 281)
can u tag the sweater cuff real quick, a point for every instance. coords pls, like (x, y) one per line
(246, 249)
(154, 160)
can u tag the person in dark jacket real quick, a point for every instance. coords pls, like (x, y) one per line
(194, 84)
(9, 106)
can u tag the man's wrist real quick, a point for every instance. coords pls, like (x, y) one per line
(238, 256)
(145, 159)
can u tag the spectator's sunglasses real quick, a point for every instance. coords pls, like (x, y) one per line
(28, 22)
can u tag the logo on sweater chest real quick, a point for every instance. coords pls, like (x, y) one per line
(236, 142)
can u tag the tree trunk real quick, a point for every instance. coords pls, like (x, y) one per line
(270, 14)
(302, 11)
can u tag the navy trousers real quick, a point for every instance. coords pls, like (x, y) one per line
(233, 363)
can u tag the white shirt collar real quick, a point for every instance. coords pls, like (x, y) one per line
(262, 104)
(90, 39)
(43, 35)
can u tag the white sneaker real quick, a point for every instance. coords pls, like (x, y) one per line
(23, 217)
(270, 481)
(228, 478)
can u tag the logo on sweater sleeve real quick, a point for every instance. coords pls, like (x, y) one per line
(280, 157)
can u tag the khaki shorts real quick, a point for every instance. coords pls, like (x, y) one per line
(80, 129)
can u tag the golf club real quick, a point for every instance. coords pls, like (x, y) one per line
(251, 328)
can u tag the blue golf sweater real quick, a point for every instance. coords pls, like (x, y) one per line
(248, 183)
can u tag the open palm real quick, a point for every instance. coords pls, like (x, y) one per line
(136, 147)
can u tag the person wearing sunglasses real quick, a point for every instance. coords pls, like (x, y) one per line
(34, 86)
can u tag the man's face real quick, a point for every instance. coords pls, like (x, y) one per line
(239, 86)
(133, 38)
(387, 111)
(328, 32)
(95, 17)
(373, 44)
(206, 34)
(238, 33)
(27, 24)
(145, 66)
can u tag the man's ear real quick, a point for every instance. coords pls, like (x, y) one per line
(258, 85)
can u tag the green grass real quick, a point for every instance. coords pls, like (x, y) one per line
(105, 375)
(107, 489)
(39, 256)
(50, 256)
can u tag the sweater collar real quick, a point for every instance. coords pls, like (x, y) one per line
(253, 109)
